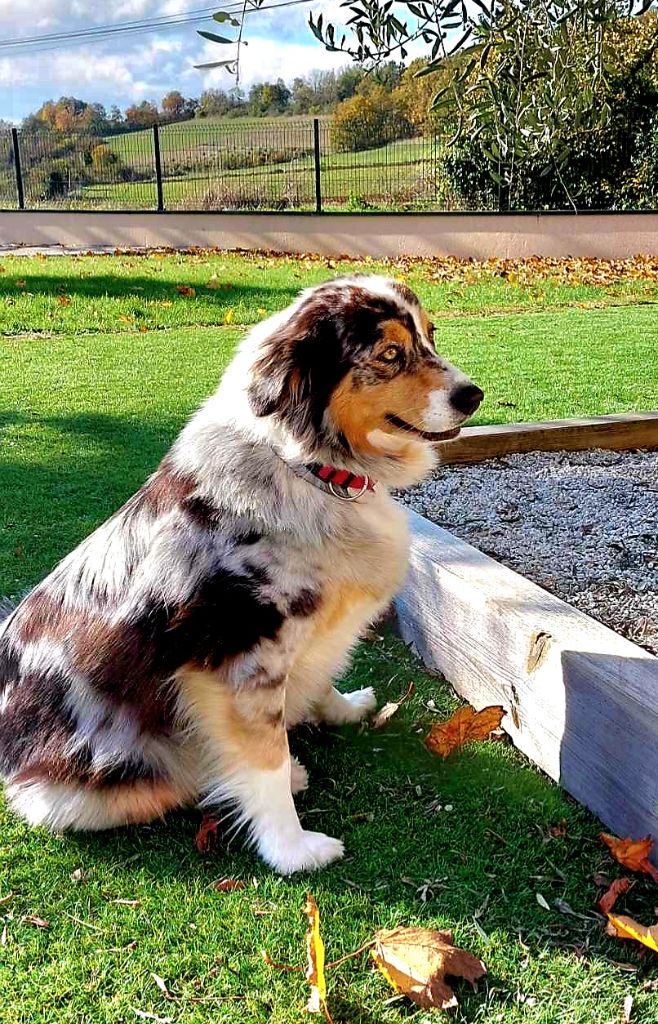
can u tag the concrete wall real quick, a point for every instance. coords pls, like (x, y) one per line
(611, 235)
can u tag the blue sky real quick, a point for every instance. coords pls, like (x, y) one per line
(126, 69)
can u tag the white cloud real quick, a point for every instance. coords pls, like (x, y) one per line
(266, 60)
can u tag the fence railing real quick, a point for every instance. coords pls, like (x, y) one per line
(269, 165)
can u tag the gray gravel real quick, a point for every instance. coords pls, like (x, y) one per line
(584, 525)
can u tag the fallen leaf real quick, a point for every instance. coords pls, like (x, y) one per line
(186, 290)
(21, 284)
(64, 300)
(559, 829)
(393, 706)
(38, 922)
(623, 927)
(542, 902)
(229, 316)
(632, 853)
(417, 961)
(612, 894)
(465, 726)
(207, 837)
(315, 976)
(214, 282)
(228, 884)
(627, 1010)
(162, 985)
(7, 898)
(126, 319)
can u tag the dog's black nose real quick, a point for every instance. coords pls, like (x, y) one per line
(466, 398)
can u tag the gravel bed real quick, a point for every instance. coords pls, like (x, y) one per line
(583, 525)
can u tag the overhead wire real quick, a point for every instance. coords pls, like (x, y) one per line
(64, 40)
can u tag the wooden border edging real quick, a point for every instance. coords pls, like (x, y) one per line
(623, 430)
(582, 701)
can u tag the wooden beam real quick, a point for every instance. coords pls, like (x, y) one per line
(582, 701)
(626, 430)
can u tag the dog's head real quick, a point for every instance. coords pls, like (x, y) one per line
(352, 367)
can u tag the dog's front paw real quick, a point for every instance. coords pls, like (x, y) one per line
(298, 776)
(308, 851)
(361, 703)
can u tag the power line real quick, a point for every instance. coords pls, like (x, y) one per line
(61, 40)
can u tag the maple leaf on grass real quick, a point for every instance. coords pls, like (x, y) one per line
(417, 962)
(632, 853)
(465, 726)
(612, 894)
(207, 839)
(623, 927)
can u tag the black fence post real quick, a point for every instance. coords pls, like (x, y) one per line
(158, 167)
(18, 170)
(316, 151)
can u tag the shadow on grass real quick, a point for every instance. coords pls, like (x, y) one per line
(140, 287)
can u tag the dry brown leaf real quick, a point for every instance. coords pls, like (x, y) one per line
(64, 300)
(228, 884)
(35, 920)
(186, 290)
(612, 894)
(632, 853)
(417, 961)
(624, 927)
(627, 1010)
(315, 976)
(21, 284)
(386, 713)
(465, 726)
(207, 837)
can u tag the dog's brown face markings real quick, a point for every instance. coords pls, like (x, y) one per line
(352, 365)
(394, 380)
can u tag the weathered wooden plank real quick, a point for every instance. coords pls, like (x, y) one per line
(636, 430)
(582, 701)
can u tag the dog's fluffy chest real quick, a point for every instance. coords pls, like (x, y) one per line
(370, 548)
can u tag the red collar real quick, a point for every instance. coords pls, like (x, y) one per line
(342, 478)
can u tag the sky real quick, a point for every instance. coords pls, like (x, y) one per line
(127, 69)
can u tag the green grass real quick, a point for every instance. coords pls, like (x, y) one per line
(88, 404)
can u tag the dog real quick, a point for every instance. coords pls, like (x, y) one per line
(164, 660)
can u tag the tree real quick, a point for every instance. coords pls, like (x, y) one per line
(269, 98)
(366, 122)
(143, 115)
(173, 105)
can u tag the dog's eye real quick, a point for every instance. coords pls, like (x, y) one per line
(390, 354)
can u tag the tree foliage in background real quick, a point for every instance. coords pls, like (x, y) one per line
(538, 75)
(370, 119)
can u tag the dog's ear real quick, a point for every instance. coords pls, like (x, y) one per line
(297, 369)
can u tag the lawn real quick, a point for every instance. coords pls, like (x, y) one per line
(101, 361)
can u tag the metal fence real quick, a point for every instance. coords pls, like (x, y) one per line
(249, 164)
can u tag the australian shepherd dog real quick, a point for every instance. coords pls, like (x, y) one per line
(163, 661)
